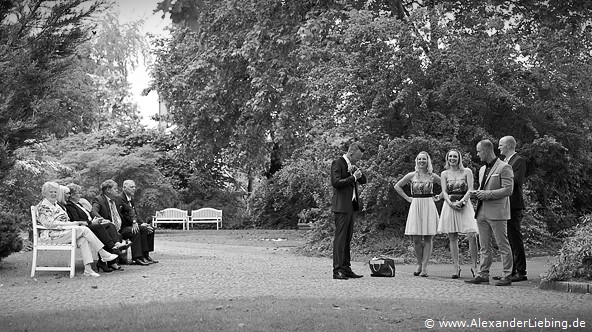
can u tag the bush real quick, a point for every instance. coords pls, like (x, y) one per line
(300, 185)
(569, 265)
(10, 239)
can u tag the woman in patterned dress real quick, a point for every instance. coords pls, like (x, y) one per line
(51, 215)
(422, 220)
(457, 212)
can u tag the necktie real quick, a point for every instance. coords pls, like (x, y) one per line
(114, 215)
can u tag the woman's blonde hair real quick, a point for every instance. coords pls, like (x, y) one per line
(62, 190)
(430, 167)
(460, 160)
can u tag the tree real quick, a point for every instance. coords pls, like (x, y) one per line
(38, 86)
(37, 45)
(107, 58)
(245, 77)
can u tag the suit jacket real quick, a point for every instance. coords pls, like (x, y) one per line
(131, 210)
(101, 209)
(76, 213)
(498, 187)
(519, 168)
(344, 184)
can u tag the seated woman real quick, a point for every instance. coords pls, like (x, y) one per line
(103, 229)
(51, 215)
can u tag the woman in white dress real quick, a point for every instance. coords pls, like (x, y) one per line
(458, 215)
(422, 220)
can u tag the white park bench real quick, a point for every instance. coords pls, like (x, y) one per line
(43, 245)
(206, 216)
(170, 216)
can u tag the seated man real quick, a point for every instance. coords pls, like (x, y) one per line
(146, 231)
(109, 206)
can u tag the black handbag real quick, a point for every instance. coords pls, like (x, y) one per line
(382, 267)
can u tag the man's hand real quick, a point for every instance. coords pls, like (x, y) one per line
(358, 174)
(148, 227)
(135, 228)
(479, 194)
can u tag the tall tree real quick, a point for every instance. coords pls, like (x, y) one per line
(113, 51)
(38, 88)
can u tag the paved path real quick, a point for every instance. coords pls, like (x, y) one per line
(201, 271)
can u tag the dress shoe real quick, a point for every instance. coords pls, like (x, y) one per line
(115, 266)
(505, 281)
(351, 274)
(518, 277)
(340, 275)
(91, 274)
(149, 259)
(477, 280)
(140, 261)
(103, 266)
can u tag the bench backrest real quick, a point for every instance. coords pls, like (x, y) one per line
(171, 214)
(206, 214)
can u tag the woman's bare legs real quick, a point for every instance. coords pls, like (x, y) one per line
(453, 238)
(418, 246)
(427, 252)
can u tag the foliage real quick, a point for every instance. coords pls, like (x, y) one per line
(39, 85)
(10, 239)
(107, 58)
(569, 264)
(452, 73)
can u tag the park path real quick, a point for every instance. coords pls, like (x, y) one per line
(200, 271)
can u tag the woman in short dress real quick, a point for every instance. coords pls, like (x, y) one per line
(422, 220)
(51, 215)
(457, 212)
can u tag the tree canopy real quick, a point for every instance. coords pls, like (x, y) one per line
(241, 77)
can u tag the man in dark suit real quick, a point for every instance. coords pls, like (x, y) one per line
(110, 206)
(492, 213)
(507, 147)
(345, 176)
(146, 231)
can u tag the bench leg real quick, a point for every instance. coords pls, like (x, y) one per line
(34, 262)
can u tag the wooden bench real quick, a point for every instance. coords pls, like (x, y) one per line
(206, 216)
(170, 216)
(39, 245)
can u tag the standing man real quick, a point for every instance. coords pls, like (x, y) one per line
(507, 147)
(137, 226)
(493, 211)
(345, 176)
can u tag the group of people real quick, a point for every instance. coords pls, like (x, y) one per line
(108, 226)
(497, 215)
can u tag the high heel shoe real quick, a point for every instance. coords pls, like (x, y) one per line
(103, 266)
(456, 276)
(91, 274)
(416, 273)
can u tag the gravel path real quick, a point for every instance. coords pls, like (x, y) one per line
(201, 270)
